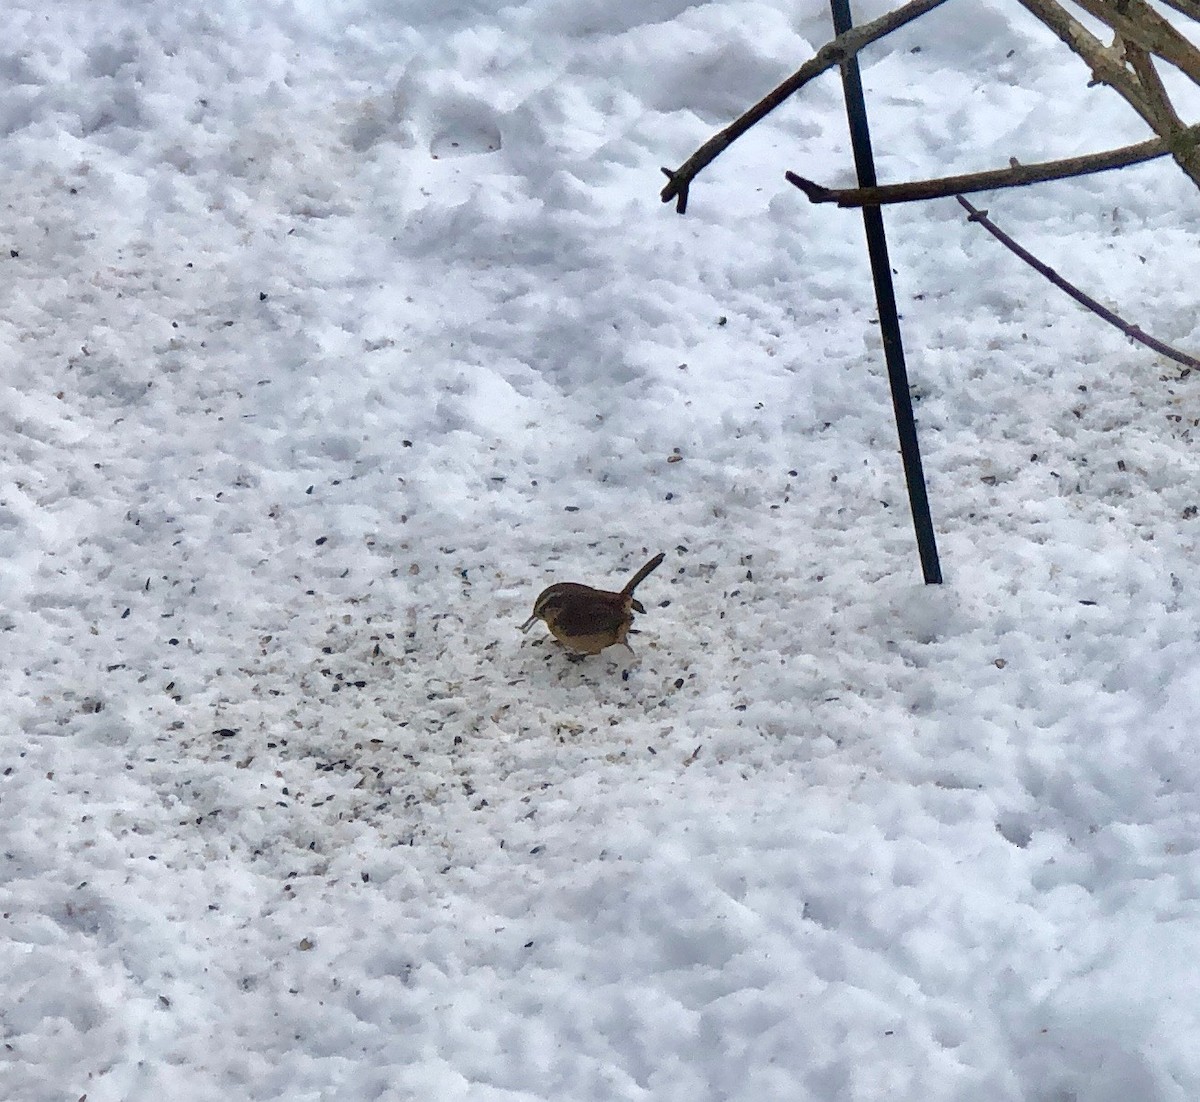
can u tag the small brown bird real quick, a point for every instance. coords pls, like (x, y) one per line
(586, 620)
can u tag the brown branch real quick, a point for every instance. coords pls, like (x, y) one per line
(1167, 120)
(1106, 64)
(1156, 93)
(1136, 22)
(1016, 175)
(1132, 331)
(1190, 8)
(1108, 67)
(832, 54)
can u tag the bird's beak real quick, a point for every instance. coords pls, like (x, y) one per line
(530, 622)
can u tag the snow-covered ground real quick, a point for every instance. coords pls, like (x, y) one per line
(332, 332)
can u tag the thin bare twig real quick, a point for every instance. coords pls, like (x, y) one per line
(1016, 175)
(833, 53)
(1132, 331)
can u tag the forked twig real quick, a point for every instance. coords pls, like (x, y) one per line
(1136, 21)
(1109, 63)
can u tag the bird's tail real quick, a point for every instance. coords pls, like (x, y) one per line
(642, 574)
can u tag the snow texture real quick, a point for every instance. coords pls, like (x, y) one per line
(333, 332)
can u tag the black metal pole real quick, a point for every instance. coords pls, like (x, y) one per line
(885, 300)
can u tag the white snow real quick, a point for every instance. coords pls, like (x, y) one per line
(333, 332)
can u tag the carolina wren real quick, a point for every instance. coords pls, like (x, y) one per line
(586, 620)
